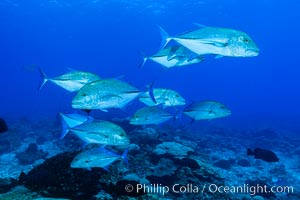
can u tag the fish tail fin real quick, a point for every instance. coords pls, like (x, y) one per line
(165, 38)
(90, 118)
(65, 127)
(151, 93)
(44, 78)
(124, 156)
(144, 57)
(250, 152)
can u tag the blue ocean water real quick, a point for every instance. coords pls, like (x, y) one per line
(104, 37)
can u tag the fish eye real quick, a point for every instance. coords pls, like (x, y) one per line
(246, 40)
(84, 95)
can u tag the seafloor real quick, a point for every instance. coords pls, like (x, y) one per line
(194, 158)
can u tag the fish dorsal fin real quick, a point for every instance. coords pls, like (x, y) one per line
(70, 69)
(200, 25)
(150, 91)
(120, 77)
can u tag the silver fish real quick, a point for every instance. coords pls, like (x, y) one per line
(164, 97)
(173, 56)
(71, 81)
(105, 94)
(150, 115)
(214, 40)
(97, 157)
(207, 110)
(99, 132)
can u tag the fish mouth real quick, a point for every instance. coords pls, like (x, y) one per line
(253, 52)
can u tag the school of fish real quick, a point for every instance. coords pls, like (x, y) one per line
(95, 93)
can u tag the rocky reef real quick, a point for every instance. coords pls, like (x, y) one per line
(31, 154)
(55, 177)
(169, 160)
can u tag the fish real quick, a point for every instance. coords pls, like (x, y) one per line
(263, 154)
(99, 132)
(72, 81)
(106, 94)
(164, 97)
(207, 110)
(215, 40)
(172, 56)
(71, 120)
(97, 157)
(150, 115)
(3, 126)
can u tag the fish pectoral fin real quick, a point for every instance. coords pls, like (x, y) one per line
(215, 43)
(110, 97)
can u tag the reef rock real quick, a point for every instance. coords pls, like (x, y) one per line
(55, 178)
(31, 154)
(173, 148)
(6, 184)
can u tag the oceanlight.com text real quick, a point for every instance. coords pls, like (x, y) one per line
(207, 188)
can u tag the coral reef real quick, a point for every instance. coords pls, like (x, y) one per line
(55, 178)
(225, 164)
(172, 148)
(6, 184)
(165, 160)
